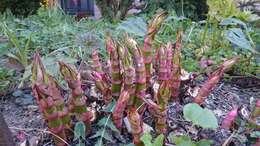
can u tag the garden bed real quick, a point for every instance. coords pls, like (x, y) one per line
(24, 119)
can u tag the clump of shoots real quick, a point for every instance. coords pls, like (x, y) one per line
(50, 101)
(140, 79)
(163, 69)
(77, 103)
(213, 79)
(59, 102)
(115, 66)
(129, 72)
(153, 28)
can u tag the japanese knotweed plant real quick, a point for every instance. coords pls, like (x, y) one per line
(133, 72)
(213, 79)
(130, 74)
(51, 102)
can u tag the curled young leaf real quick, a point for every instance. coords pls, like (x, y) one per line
(118, 113)
(136, 125)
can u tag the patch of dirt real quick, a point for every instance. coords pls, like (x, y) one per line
(28, 120)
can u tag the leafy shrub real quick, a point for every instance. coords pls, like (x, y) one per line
(18, 7)
(114, 10)
(6, 80)
(194, 9)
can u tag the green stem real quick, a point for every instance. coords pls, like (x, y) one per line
(205, 32)
(104, 130)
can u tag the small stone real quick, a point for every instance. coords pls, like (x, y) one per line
(27, 91)
(25, 100)
(17, 93)
(29, 96)
(18, 101)
(33, 108)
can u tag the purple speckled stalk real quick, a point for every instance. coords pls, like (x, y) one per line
(77, 103)
(213, 79)
(163, 69)
(140, 71)
(153, 28)
(96, 62)
(176, 68)
(115, 67)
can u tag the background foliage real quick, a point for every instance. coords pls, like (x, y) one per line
(20, 7)
(194, 9)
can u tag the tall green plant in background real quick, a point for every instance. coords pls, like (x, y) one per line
(189, 8)
(18, 7)
(21, 52)
(222, 9)
(114, 10)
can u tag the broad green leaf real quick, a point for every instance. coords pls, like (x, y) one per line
(146, 139)
(204, 142)
(199, 116)
(134, 25)
(187, 141)
(233, 21)
(159, 140)
(79, 133)
(183, 141)
(237, 37)
(207, 119)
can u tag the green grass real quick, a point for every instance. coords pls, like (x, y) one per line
(55, 34)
